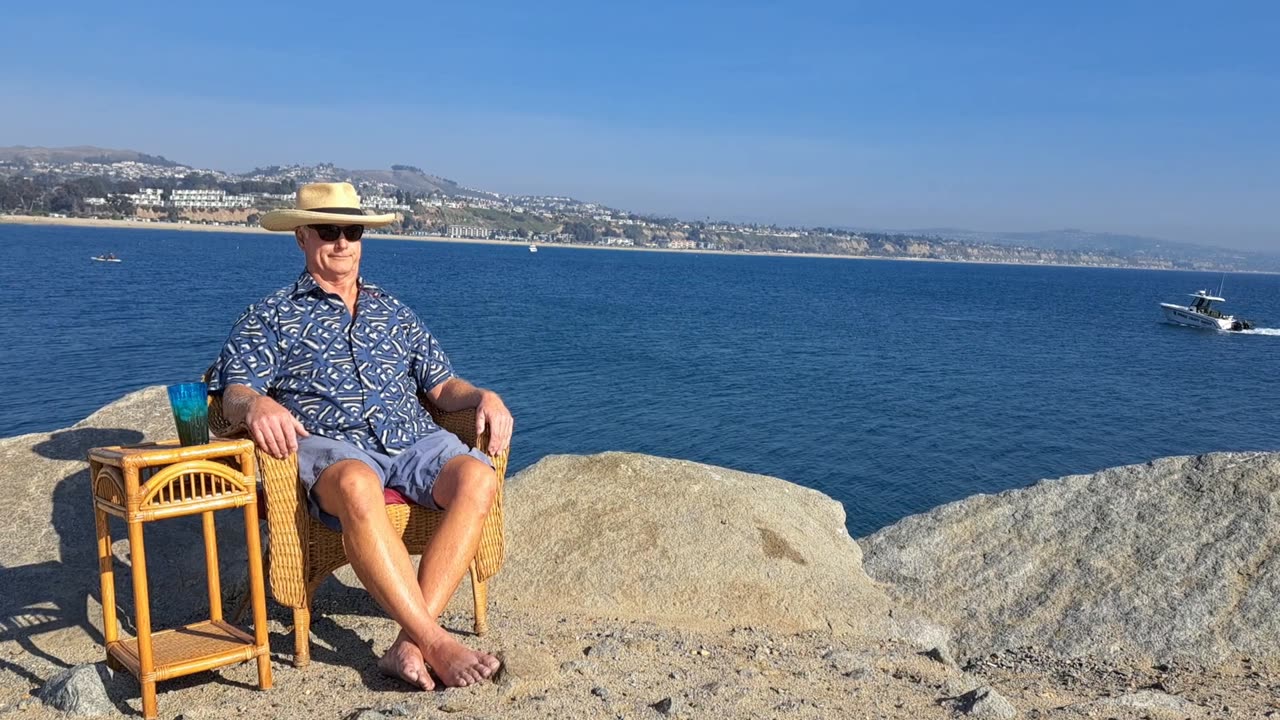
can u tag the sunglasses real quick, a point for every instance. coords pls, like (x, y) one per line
(330, 233)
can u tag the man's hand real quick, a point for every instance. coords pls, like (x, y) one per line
(273, 428)
(492, 413)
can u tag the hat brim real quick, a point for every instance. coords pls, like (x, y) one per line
(279, 220)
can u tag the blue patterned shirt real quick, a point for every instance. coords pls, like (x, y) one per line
(355, 381)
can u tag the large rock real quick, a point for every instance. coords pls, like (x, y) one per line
(1175, 558)
(641, 537)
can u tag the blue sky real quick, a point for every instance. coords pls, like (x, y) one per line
(1156, 118)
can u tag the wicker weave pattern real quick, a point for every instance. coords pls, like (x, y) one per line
(303, 551)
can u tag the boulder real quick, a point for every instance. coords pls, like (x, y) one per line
(671, 541)
(1176, 558)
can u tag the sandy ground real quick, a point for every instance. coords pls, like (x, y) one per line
(567, 666)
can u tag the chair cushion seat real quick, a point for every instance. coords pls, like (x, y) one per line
(390, 496)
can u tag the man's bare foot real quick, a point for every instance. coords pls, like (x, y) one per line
(403, 660)
(458, 665)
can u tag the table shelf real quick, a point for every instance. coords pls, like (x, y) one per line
(190, 649)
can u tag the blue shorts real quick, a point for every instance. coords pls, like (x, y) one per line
(412, 472)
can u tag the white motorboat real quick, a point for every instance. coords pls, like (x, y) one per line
(533, 248)
(1200, 314)
(106, 258)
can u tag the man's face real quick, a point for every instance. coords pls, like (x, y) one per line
(329, 259)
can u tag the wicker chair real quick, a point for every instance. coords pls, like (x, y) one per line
(303, 551)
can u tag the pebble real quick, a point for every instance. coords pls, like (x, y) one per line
(845, 662)
(600, 692)
(986, 703)
(941, 655)
(578, 666)
(665, 706)
(605, 648)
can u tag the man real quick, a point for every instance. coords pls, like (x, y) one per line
(330, 367)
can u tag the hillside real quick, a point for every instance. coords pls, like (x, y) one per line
(97, 182)
(79, 153)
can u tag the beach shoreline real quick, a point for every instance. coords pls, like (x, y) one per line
(245, 230)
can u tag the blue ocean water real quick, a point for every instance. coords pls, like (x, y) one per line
(891, 386)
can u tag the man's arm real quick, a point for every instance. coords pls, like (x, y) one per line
(272, 427)
(458, 394)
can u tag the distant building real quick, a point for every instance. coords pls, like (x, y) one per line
(467, 231)
(381, 202)
(147, 197)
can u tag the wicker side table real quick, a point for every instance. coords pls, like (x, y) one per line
(155, 481)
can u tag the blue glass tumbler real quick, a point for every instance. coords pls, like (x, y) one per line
(190, 404)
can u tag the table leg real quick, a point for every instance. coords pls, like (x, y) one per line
(212, 578)
(257, 594)
(107, 574)
(142, 609)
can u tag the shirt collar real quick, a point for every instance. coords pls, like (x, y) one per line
(306, 285)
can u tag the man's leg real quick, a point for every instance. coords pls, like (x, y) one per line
(352, 491)
(465, 488)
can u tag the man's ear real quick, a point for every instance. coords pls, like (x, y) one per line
(297, 235)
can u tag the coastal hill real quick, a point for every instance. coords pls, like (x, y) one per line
(643, 587)
(80, 154)
(91, 182)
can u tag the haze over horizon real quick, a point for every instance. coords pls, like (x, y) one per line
(1124, 117)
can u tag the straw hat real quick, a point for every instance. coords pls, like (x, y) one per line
(325, 204)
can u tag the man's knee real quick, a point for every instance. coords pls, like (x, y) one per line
(466, 482)
(349, 490)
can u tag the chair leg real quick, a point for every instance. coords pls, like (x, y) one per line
(302, 635)
(480, 592)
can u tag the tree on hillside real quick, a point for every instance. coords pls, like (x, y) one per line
(21, 195)
(581, 232)
(121, 205)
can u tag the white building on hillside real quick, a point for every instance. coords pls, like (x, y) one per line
(147, 197)
(467, 231)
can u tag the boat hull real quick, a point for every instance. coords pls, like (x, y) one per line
(1180, 315)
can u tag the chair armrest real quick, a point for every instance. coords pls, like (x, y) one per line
(492, 549)
(288, 528)
(218, 423)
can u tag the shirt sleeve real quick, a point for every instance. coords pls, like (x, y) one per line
(427, 361)
(251, 355)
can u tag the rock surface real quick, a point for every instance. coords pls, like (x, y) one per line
(79, 690)
(619, 656)
(640, 537)
(1172, 559)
